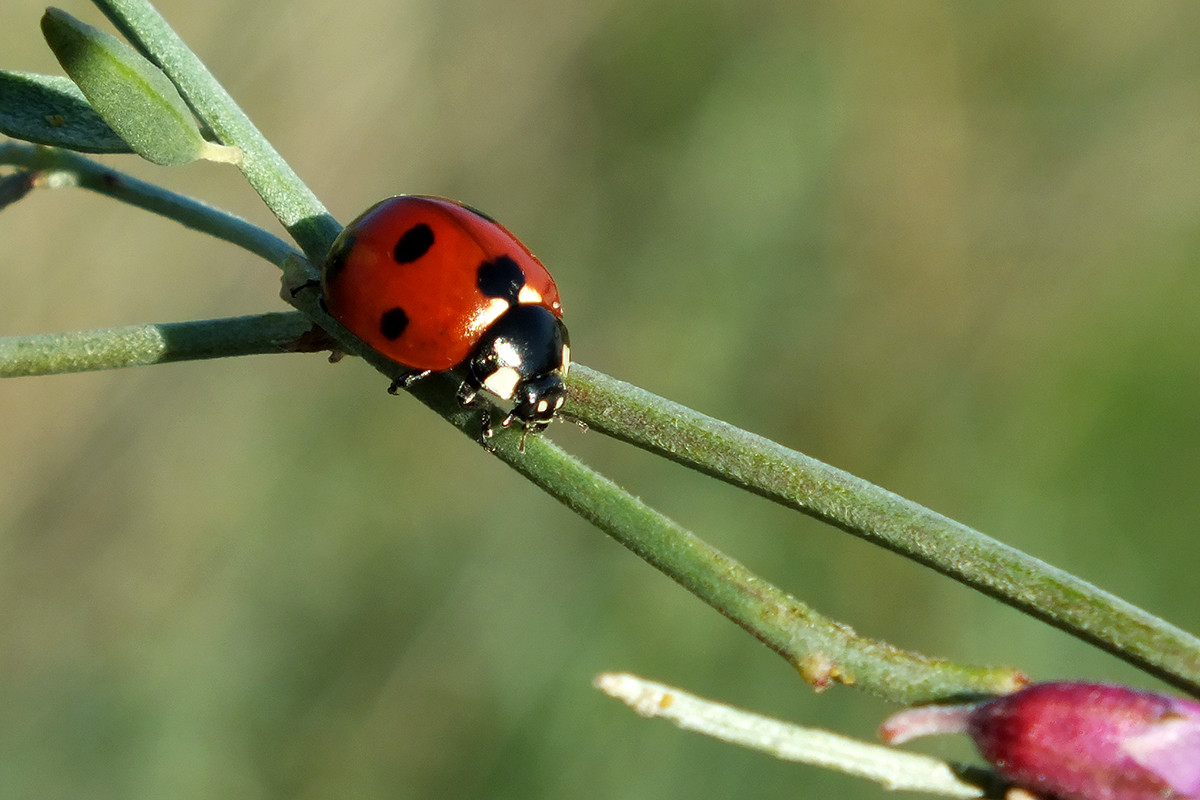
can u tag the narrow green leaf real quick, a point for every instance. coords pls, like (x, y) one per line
(50, 109)
(130, 93)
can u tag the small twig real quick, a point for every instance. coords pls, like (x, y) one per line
(137, 345)
(798, 481)
(894, 769)
(54, 168)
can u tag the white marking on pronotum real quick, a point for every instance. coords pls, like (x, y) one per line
(507, 354)
(503, 382)
(529, 295)
(566, 358)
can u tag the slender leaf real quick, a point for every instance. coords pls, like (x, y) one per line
(293, 202)
(130, 93)
(50, 109)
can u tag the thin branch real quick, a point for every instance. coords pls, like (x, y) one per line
(795, 480)
(137, 345)
(893, 769)
(55, 168)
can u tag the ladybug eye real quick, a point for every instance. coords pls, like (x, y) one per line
(500, 277)
(415, 243)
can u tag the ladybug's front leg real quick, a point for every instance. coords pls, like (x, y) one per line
(466, 393)
(486, 431)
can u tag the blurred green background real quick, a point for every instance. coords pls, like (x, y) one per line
(950, 247)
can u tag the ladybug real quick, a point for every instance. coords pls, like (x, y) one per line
(437, 286)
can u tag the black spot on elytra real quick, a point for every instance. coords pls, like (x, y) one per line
(415, 243)
(392, 323)
(500, 277)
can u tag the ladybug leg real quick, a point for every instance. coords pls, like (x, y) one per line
(298, 276)
(466, 393)
(526, 428)
(508, 420)
(486, 431)
(407, 380)
(309, 284)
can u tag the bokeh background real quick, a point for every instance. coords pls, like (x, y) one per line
(950, 247)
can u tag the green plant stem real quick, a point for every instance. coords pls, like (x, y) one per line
(822, 650)
(877, 515)
(297, 208)
(161, 343)
(60, 168)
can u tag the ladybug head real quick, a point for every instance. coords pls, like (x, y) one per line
(536, 401)
(522, 357)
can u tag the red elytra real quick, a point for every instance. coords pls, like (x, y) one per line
(436, 285)
(445, 246)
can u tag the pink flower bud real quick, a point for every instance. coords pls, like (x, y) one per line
(1076, 741)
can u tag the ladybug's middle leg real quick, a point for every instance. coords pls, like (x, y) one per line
(408, 379)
